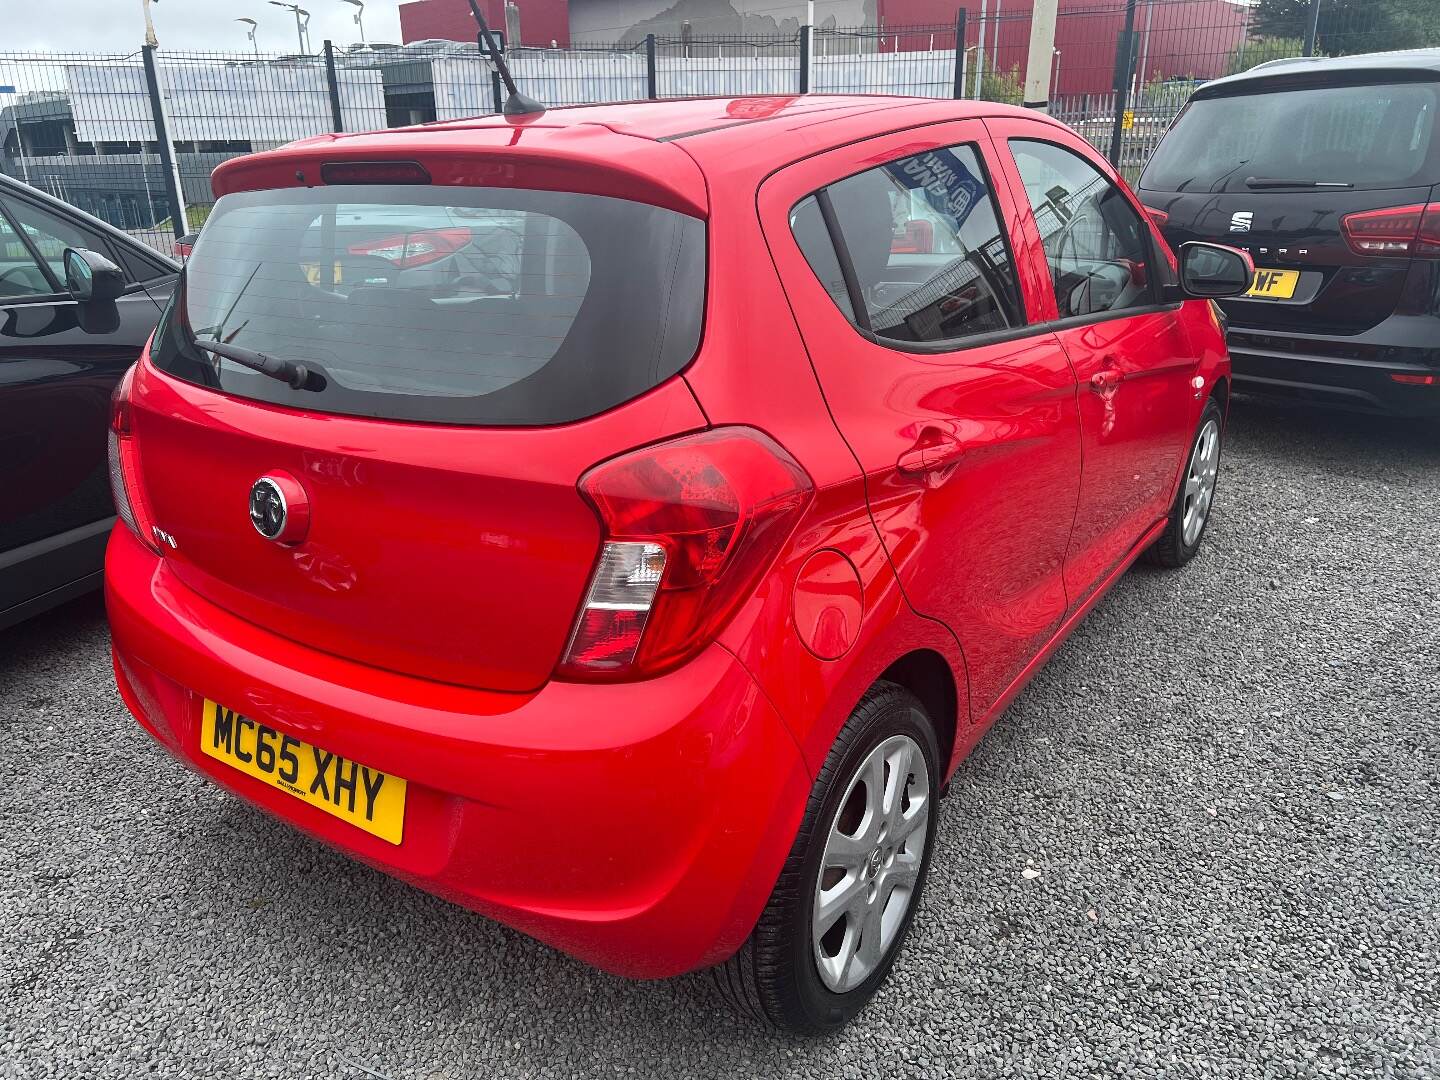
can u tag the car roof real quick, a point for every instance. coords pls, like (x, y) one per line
(656, 151)
(667, 120)
(1407, 65)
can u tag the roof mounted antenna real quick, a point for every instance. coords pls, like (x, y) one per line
(516, 104)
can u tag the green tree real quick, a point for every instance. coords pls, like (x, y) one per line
(1259, 50)
(1351, 26)
(1004, 86)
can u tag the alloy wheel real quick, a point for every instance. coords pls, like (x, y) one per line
(1200, 482)
(871, 865)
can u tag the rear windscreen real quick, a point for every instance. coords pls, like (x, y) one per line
(446, 305)
(1367, 136)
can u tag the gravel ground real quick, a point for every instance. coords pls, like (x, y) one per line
(1227, 781)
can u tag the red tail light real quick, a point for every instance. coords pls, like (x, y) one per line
(1160, 217)
(1394, 230)
(125, 466)
(410, 250)
(1415, 380)
(690, 528)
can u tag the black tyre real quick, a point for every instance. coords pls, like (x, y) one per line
(842, 906)
(1190, 515)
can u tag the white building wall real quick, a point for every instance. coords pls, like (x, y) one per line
(598, 21)
(260, 102)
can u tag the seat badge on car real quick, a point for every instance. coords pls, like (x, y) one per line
(1241, 220)
(279, 508)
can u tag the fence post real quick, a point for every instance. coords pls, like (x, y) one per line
(336, 120)
(1124, 62)
(652, 82)
(167, 152)
(960, 53)
(804, 59)
(1312, 27)
(498, 91)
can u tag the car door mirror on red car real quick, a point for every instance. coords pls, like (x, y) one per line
(91, 278)
(1212, 271)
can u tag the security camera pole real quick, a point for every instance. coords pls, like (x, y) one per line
(252, 26)
(301, 27)
(359, 6)
(1042, 56)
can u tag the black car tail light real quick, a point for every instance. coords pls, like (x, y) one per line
(1394, 230)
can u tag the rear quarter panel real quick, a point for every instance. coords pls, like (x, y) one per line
(753, 369)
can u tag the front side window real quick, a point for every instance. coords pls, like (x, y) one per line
(52, 234)
(20, 274)
(1096, 245)
(923, 238)
(449, 305)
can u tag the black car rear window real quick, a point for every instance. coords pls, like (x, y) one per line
(1375, 136)
(446, 305)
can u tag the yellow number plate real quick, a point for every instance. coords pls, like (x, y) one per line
(366, 798)
(1274, 284)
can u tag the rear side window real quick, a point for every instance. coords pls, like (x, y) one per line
(1368, 136)
(929, 259)
(138, 267)
(447, 305)
(808, 225)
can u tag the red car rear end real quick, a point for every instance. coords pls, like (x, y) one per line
(484, 514)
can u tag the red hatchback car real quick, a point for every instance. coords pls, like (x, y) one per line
(622, 520)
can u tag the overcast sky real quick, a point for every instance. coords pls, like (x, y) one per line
(119, 25)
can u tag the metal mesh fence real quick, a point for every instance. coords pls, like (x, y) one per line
(916, 60)
(83, 126)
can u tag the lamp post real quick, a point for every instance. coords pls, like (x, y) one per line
(252, 24)
(359, 6)
(300, 27)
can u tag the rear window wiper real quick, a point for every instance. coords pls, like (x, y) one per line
(1283, 182)
(298, 375)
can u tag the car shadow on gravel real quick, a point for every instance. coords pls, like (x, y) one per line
(38, 640)
(1333, 431)
(460, 969)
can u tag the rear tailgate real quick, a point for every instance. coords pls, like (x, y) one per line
(477, 327)
(454, 554)
(1274, 162)
(1325, 287)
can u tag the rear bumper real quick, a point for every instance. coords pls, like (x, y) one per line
(1352, 373)
(637, 827)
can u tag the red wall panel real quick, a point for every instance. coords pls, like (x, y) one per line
(541, 21)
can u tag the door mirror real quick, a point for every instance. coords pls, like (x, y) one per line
(91, 278)
(1209, 271)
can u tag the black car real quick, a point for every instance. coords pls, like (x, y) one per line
(65, 340)
(1326, 171)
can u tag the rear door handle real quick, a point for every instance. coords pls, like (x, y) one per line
(934, 450)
